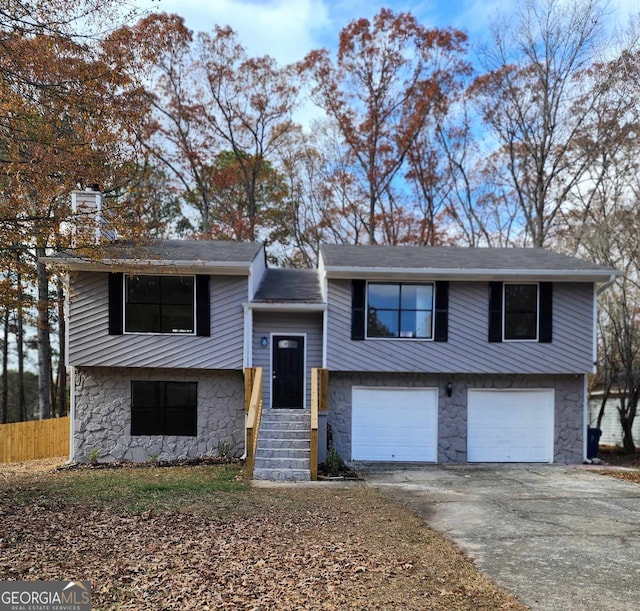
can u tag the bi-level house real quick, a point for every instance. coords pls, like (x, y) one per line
(434, 354)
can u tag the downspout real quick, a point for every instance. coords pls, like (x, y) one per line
(72, 369)
(585, 415)
(72, 414)
(597, 292)
(606, 285)
(247, 359)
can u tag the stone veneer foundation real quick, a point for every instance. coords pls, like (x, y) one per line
(452, 413)
(102, 420)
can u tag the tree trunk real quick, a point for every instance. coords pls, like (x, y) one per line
(627, 411)
(22, 402)
(5, 367)
(62, 355)
(603, 404)
(44, 343)
(627, 435)
(372, 216)
(53, 389)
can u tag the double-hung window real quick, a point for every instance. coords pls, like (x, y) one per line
(159, 304)
(399, 310)
(164, 408)
(520, 311)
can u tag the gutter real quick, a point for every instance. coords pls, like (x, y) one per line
(475, 274)
(607, 284)
(226, 268)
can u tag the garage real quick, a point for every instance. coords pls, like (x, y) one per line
(510, 425)
(394, 424)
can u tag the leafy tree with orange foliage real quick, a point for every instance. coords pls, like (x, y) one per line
(217, 119)
(61, 109)
(390, 76)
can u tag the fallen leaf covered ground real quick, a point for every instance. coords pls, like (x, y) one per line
(201, 538)
(626, 466)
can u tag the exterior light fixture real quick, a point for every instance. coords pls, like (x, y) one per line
(264, 342)
(449, 389)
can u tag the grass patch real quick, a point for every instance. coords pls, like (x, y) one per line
(136, 489)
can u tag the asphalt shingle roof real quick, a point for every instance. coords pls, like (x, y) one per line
(289, 285)
(453, 258)
(186, 250)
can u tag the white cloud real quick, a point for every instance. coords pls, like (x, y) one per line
(284, 29)
(288, 29)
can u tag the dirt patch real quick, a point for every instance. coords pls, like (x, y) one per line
(300, 547)
(615, 456)
(184, 462)
(627, 466)
(31, 467)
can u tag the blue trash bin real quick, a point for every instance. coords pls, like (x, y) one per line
(593, 440)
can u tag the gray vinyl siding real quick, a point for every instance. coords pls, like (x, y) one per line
(467, 349)
(91, 345)
(287, 323)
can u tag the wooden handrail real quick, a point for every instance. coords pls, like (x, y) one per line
(254, 414)
(319, 402)
(249, 375)
(313, 456)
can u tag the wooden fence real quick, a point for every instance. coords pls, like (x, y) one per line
(34, 439)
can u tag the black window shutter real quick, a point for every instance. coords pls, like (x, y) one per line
(203, 320)
(116, 303)
(441, 326)
(545, 330)
(358, 288)
(495, 311)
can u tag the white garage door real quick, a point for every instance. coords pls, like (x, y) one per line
(394, 424)
(510, 425)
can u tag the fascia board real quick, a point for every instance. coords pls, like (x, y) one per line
(375, 273)
(223, 268)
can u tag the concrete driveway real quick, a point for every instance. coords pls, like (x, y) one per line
(559, 538)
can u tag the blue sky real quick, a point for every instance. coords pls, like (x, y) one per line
(288, 29)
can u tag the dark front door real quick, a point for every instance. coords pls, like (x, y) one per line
(288, 371)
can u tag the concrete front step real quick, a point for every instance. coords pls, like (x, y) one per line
(291, 443)
(290, 415)
(284, 445)
(284, 425)
(284, 434)
(297, 475)
(281, 463)
(262, 452)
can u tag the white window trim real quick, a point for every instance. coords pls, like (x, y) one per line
(401, 339)
(154, 333)
(504, 313)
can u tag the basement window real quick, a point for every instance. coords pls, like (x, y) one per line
(164, 408)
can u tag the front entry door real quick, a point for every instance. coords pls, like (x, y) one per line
(287, 371)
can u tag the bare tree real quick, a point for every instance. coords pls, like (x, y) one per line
(536, 97)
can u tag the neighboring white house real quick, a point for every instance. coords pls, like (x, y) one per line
(610, 425)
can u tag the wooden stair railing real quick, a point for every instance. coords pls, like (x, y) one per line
(253, 408)
(319, 403)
